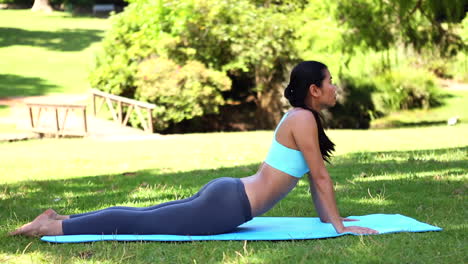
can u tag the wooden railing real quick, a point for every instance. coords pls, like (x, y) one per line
(117, 104)
(59, 120)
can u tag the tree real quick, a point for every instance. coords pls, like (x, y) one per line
(422, 24)
(252, 44)
(42, 5)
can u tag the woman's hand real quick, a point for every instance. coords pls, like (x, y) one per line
(355, 229)
(343, 219)
(358, 230)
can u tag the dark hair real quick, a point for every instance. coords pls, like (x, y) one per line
(303, 75)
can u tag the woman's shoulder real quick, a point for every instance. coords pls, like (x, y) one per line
(301, 121)
(300, 114)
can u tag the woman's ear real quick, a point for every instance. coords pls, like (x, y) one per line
(314, 90)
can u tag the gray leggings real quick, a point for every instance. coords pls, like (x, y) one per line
(219, 207)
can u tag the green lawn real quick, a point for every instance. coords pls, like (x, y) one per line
(418, 172)
(4, 111)
(454, 104)
(44, 54)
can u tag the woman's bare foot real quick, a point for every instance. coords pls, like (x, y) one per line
(54, 215)
(60, 217)
(44, 224)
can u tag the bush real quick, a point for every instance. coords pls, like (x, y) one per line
(355, 108)
(365, 99)
(459, 67)
(251, 43)
(406, 89)
(66, 2)
(18, 2)
(180, 93)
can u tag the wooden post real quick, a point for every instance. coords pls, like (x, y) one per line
(127, 116)
(38, 118)
(84, 119)
(120, 112)
(57, 121)
(94, 104)
(64, 120)
(150, 121)
(31, 116)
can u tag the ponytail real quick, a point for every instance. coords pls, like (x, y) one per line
(326, 145)
(302, 76)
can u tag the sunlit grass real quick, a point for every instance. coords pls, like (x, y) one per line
(44, 54)
(454, 106)
(419, 172)
(4, 111)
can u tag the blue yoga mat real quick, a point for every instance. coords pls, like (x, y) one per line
(273, 228)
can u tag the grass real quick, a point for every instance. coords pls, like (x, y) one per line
(454, 104)
(419, 172)
(4, 111)
(376, 171)
(8, 128)
(45, 54)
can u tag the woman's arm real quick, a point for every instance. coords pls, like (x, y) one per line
(318, 204)
(306, 137)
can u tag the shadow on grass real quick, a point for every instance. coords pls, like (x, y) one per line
(63, 40)
(15, 85)
(388, 162)
(449, 100)
(423, 191)
(400, 124)
(403, 182)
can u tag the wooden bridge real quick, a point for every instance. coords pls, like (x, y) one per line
(68, 115)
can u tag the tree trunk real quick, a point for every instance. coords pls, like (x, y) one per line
(270, 100)
(41, 5)
(270, 108)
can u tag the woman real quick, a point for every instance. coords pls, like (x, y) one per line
(299, 146)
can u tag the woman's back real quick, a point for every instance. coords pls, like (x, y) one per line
(269, 185)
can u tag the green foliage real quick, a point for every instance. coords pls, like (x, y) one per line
(320, 35)
(355, 108)
(246, 41)
(365, 45)
(129, 41)
(403, 89)
(81, 3)
(458, 68)
(229, 35)
(379, 25)
(179, 92)
(370, 24)
(454, 105)
(17, 2)
(281, 4)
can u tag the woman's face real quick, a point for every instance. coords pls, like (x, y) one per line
(328, 91)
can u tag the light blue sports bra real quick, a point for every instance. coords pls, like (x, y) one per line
(285, 159)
